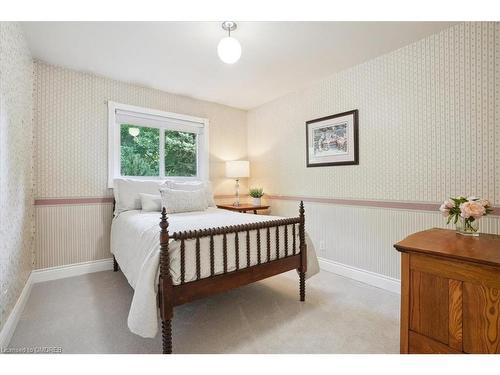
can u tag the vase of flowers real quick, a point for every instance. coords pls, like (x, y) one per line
(465, 213)
(256, 194)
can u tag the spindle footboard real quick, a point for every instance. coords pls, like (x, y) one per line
(171, 295)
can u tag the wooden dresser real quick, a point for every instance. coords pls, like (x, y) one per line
(450, 293)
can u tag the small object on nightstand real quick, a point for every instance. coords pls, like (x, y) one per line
(242, 207)
(256, 193)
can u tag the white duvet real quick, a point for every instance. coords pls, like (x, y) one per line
(135, 244)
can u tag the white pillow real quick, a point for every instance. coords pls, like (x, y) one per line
(127, 192)
(150, 202)
(193, 185)
(176, 201)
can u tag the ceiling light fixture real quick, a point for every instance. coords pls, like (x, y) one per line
(229, 49)
(134, 132)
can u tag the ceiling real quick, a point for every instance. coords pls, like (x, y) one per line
(181, 57)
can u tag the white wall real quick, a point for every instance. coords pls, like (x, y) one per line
(429, 118)
(71, 122)
(16, 166)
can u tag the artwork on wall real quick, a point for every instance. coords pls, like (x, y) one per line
(332, 140)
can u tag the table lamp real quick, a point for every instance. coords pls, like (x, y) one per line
(237, 169)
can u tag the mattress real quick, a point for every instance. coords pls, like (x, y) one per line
(135, 243)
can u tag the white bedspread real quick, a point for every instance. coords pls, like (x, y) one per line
(135, 244)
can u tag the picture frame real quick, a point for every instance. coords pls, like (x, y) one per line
(332, 140)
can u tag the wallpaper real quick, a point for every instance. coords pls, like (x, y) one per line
(16, 166)
(71, 117)
(429, 115)
(429, 118)
(71, 155)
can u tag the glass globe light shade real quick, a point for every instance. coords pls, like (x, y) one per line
(134, 132)
(229, 50)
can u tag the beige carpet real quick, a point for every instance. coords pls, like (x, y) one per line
(88, 314)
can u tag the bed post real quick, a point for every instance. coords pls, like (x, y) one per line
(116, 268)
(165, 287)
(303, 253)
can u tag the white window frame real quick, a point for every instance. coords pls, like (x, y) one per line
(114, 154)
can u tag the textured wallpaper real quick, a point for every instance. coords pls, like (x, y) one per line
(429, 127)
(429, 116)
(428, 124)
(71, 117)
(16, 166)
(71, 156)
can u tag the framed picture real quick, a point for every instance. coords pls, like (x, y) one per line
(332, 140)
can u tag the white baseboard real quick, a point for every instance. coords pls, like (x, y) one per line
(70, 270)
(11, 322)
(47, 274)
(371, 278)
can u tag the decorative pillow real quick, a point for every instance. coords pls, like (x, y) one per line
(210, 194)
(127, 192)
(150, 202)
(193, 185)
(176, 201)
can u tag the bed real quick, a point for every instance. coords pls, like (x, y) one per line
(198, 254)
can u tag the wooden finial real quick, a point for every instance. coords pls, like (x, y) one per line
(164, 239)
(163, 222)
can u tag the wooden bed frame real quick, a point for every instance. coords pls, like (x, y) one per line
(170, 295)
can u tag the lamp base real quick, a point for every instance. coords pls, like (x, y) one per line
(237, 187)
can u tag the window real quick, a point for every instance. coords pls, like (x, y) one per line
(151, 144)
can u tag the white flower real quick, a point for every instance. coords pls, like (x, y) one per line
(472, 198)
(485, 202)
(444, 210)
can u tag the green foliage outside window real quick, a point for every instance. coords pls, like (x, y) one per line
(140, 155)
(140, 152)
(180, 153)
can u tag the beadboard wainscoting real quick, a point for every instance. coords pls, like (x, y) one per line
(352, 239)
(72, 233)
(429, 116)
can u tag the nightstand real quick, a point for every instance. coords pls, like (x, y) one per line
(242, 207)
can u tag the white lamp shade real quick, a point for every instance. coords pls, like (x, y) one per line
(237, 168)
(229, 50)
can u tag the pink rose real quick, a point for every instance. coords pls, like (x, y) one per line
(485, 202)
(472, 209)
(444, 210)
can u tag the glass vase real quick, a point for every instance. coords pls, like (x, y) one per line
(466, 227)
